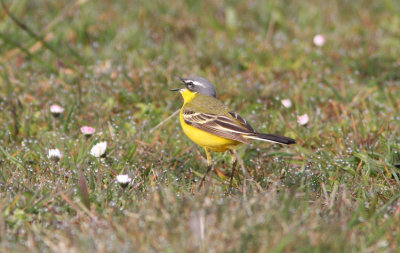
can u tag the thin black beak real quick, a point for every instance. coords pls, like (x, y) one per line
(182, 80)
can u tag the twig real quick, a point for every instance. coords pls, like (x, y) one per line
(162, 122)
(270, 30)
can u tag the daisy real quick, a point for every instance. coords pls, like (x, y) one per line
(124, 180)
(303, 119)
(319, 40)
(56, 110)
(54, 155)
(99, 149)
(286, 103)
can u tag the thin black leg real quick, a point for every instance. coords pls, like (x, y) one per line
(205, 175)
(209, 162)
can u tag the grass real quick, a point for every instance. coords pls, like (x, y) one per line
(110, 65)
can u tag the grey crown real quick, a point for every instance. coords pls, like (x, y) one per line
(200, 85)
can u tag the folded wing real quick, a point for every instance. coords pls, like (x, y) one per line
(230, 126)
(220, 125)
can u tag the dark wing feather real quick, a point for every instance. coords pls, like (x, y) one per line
(219, 125)
(242, 121)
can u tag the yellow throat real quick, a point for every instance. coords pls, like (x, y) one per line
(187, 95)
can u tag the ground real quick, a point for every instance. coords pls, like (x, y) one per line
(110, 65)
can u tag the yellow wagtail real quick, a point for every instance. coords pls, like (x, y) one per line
(211, 125)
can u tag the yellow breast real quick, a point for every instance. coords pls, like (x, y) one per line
(200, 137)
(205, 139)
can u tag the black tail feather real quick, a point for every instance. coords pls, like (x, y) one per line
(276, 138)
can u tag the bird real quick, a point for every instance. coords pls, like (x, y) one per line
(210, 124)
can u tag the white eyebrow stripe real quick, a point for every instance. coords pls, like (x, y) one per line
(198, 83)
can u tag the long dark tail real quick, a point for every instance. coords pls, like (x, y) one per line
(271, 138)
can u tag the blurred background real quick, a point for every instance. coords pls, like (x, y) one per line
(122, 57)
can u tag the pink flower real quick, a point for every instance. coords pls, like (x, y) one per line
(87, 130)
(319, 40)
(303, 119)
(286, 103)
(56, 110)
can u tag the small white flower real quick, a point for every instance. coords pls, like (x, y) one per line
(286, 103)
(124, 180)
(99, 149)
(87, 130)
(56, 110)
(319, 40)
(303, 119)
(54, 155)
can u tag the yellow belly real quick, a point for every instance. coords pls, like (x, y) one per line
(205, 139)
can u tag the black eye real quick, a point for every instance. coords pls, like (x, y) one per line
(189, 85)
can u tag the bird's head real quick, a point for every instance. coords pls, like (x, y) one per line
(197, 85)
